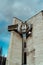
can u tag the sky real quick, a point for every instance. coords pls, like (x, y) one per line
(22, 9)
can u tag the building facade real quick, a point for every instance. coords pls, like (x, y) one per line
(2, 60)
(34, 43)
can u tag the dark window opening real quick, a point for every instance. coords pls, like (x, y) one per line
(25, 54)
(24, 44)
(25, 58)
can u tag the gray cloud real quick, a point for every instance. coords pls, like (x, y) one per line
(20, 8)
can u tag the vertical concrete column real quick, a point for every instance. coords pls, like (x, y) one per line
(15, 47)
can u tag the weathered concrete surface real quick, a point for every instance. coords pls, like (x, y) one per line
(36, 41)
(15, 47)
(33, 42)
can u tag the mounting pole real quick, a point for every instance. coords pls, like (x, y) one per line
(23, 44)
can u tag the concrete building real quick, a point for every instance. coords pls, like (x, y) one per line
(33, 28)
(2, 60)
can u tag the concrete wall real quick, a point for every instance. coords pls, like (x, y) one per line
(36, 41)
(15, 47)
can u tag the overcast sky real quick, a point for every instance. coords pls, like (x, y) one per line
(22, 9)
